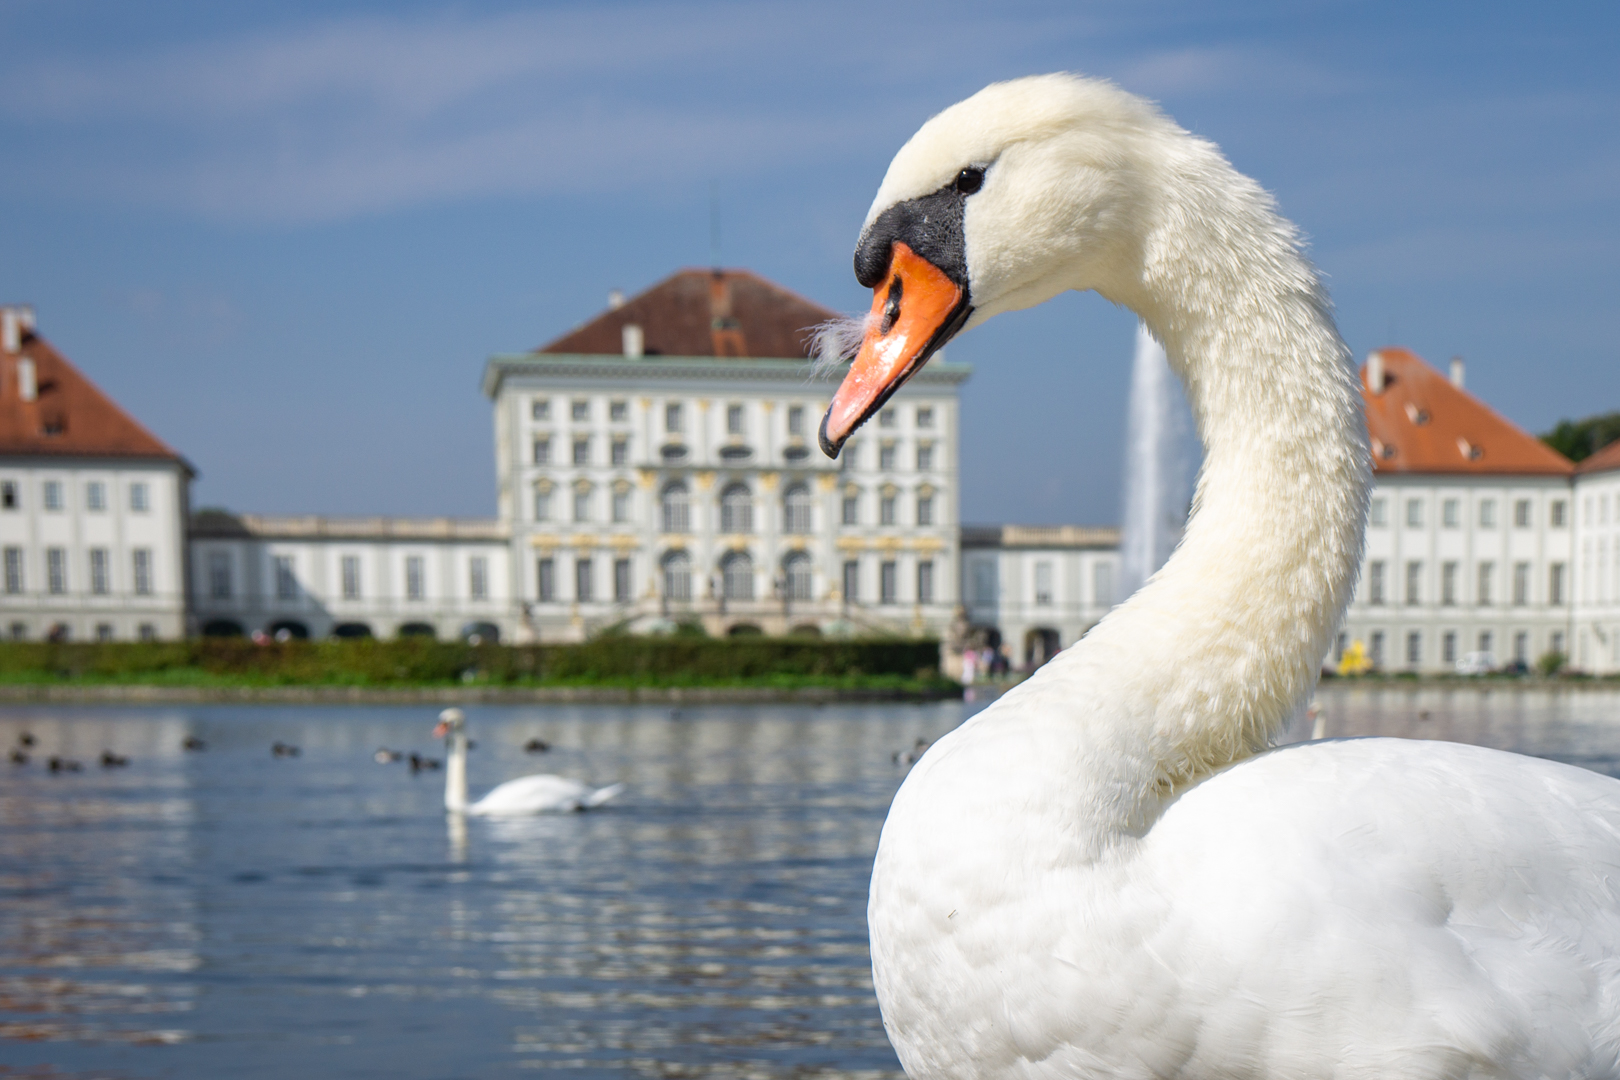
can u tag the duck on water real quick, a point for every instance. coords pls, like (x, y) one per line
(1105, 872)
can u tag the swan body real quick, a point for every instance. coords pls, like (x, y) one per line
(539, 794)
(1106, 873)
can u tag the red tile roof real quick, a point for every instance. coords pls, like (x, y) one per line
(1421, 423)
(1602, 461)
(69, 415)
(705, 313)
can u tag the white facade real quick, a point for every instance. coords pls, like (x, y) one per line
(92, 549)
(350, 577)
(1596, 590)
(1036, 589)
(1462, 564)
(658, 490)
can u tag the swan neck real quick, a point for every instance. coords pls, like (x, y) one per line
(455, 771)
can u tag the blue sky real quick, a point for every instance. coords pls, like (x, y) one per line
(287, 235)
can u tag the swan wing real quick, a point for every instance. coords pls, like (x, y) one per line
(537, 794)
(603, 795)
(1356, 902)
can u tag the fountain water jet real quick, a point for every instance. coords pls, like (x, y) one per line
(1158, 466)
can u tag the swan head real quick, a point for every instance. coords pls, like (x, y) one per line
(449, 720)
(1026, 189)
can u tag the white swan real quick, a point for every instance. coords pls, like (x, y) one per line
(1101, 874)
(538, 794)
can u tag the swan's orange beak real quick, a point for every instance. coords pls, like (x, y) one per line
(441, 729)
(914, 311)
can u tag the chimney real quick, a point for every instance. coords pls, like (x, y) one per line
(615, 299)
(1375, 372)
(1457, 372)
(634, 341)
(27, 383)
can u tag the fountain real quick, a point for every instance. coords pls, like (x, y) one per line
(1158, 466)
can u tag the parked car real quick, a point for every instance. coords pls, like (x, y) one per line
(1476, 663)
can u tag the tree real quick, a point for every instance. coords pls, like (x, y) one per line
(1580, 439)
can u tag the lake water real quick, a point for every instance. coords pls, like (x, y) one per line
(228, 913)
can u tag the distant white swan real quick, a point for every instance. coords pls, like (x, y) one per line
(1101, 874)
(526, 795)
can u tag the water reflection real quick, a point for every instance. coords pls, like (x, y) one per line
(229, 913)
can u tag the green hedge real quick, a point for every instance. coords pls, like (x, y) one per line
(365, 662)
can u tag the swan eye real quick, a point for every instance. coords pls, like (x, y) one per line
(969, 180)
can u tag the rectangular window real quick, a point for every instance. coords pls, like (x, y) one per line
(925, 416)
(478, 577)
(1450, 513)
(350, 565)
(140, 498)
(889, 583)
(1521, 584)
(1102, 583)
(925, 582)
(56, 570)
(8, 494)
(618, 412)
(1448, 647)
(925, 457)
(1487, 513)
(1043, 584)
(582, 451)
(621, 507)
(219, 575)
(1521, 514)
(286, 580)
(621, 581)
(1521, 647)
(582, 580)
(143, 571)
(581, 409)
(1414, 513)
(1448, 584)
(1485, 642)
(886, 457)
(540, 409)
(984, 582)
(621, 452)
(851, 510)
(53, 495)
(1555, 642)
(1375, 582)
(582, 505)
(1375, 648)
(14, 570)
(104, 631)
(546, 571)
(796, 420)
(1557, 513)
(848, 460)
(734, 419)
(95, 496)
(888, 418)
(98, 571)
(1414, 649)
(542, 506)
(925, 510)
(886, 510)
(147, 632)
(1378, 516)
(852, 580)
(1414, 582)
(542, 451)
(415, 586)
(1487, 577)
(1555, 584)
(673, 419)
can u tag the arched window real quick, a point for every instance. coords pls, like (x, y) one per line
(677, 510)
(796, 509)
(737, 576)
(737, 509)
(796, 568)
(677, 576)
